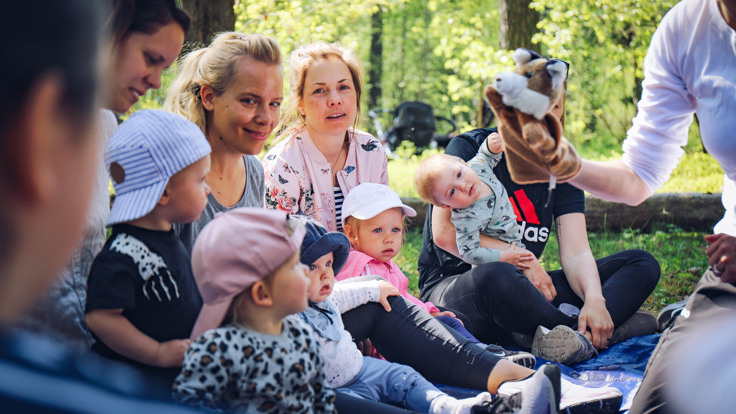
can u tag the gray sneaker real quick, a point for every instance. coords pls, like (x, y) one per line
(562, 344)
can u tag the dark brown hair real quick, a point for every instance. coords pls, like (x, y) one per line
(145, 16)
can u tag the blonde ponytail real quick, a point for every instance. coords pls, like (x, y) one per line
(215, 66)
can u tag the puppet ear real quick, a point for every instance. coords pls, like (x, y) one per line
(557, 70)
(523, 56)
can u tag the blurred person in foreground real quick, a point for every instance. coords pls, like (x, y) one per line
(48, 146)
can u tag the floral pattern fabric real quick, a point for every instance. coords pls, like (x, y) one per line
(299, 179)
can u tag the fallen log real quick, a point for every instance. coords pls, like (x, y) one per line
(688, 211)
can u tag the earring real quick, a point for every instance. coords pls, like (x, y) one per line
(355, 238)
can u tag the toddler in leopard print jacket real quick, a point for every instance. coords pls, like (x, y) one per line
(260, 358)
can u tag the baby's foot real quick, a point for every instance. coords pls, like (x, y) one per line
(445, 404)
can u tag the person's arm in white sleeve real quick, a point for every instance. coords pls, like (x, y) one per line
(652, 148)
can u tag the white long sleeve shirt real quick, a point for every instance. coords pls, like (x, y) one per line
(690, 68)
(341, 357)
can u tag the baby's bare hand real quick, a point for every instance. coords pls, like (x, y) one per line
(517, 256)
(171, 353)
(495, 143)
(386, 289)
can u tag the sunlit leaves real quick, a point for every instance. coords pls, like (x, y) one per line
(606, 41)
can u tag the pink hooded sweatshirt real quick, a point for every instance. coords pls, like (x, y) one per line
(360, 264)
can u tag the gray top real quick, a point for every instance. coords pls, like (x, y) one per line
(493, 215)
(252, 197)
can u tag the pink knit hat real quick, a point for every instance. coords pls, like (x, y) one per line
(235, 250)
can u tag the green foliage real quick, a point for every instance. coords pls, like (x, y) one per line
(605, 41)
(438, 51)
(680, 254)
(444, 52)
(407, 259)
(154, 98)
(697, 173)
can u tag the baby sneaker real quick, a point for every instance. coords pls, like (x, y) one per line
(445, 404)
(525, 359)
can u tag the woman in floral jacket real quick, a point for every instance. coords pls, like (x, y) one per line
(321, 156)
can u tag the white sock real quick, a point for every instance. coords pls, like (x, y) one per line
(445, 404)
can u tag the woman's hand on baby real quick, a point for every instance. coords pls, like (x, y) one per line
(722, 256)
(494, 142)
(517, 256)
(386, 289)
(171, 353)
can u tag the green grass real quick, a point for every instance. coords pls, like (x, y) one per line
(681, 255)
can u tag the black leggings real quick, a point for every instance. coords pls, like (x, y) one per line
(411, 336)
(496, 298)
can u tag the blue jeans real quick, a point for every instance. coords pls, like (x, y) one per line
(455, 324)
(392, 383)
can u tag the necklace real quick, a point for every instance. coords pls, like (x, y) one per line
(343, 152)
(337, 160)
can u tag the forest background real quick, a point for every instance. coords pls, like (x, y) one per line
(444, 52)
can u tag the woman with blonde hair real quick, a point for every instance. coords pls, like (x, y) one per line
(321, 156)
(232, 89)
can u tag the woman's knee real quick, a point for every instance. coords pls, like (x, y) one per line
(497, 277)
(651, 269)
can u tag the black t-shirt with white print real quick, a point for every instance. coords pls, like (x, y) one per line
(148, 274)
(530, 202)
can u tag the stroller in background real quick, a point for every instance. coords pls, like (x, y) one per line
(415, 122)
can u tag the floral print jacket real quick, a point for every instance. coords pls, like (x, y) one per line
(299, 180)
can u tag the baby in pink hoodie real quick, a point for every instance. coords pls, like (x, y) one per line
(373, 219)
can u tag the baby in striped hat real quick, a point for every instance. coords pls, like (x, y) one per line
(142, 300)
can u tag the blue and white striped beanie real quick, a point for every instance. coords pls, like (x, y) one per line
(141, 156)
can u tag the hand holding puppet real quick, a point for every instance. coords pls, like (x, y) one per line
(536, 151)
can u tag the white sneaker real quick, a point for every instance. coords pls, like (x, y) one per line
(445, 404)
(578, 399)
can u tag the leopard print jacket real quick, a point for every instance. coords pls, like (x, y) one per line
(235, 369)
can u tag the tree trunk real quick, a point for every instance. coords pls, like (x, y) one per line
(518, 24)
(375, 70)
(209, 17)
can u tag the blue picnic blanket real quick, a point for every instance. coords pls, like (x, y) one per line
(621, 366)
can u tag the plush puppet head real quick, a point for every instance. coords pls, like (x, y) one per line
(535, 86)
(536, 151)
